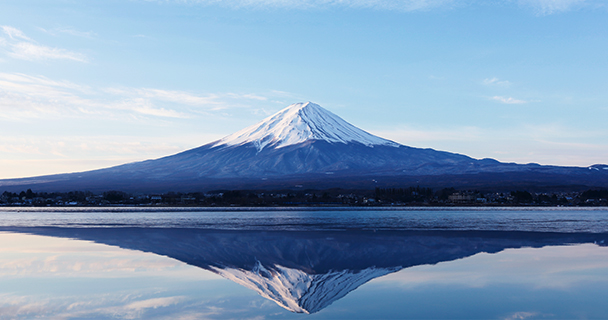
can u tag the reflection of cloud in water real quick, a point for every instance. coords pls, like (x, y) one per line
(547, 267)
(31, 255)
(61, 278)
(114, 305)
(308, 271)
(521, 315)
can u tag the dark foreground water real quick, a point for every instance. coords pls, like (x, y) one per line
(506, 263)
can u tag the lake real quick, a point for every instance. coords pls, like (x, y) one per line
(311, 263)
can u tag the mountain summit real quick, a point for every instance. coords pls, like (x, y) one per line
(307, 146)
(298, 123)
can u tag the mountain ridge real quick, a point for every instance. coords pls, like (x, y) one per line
(305, 144)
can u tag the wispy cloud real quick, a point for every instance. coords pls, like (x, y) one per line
(422, 136)
(175, 96)
(146, 107)
(253, 97)
(31, 51)
(20, 46)
(521, 315)
(30, 103)
(549, 267)
(154, 303)
(540, 7)
(24, 96)
(69, 31)
(546, 7)
(508, 100)
(14, 33)
(40, 80)
(496, 82)
(143, 36)
(545, 143)
(402, 5)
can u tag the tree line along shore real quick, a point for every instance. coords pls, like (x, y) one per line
(410, 196)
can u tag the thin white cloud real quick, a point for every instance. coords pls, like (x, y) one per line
(406, 5)
(143, 101)
(253, 97)
(146, 107)
(208, 102)
(521, 315)
(24, 96)
(22, 47)
(433, 77)
(508, 100)
(70, 31)
(41, 80)
(154, 303)
(551, 144)
(24, 155)
(540, 7)
(29, 104)
(15, 33)
(496, 82)
(422, 136)
(143, 36)
(546, 7)
(402, 5)
(178, 97)
(31, 51)
(549, 267)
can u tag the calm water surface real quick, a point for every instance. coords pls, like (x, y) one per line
(506, 263)
(520, 219)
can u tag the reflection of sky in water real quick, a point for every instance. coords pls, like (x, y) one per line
(63, 278)
(550, 282)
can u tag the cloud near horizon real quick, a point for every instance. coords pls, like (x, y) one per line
(37, 112)
(544, 143)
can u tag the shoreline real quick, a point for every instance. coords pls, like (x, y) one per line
(287, 209)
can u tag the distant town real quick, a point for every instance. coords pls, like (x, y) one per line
(411, 196)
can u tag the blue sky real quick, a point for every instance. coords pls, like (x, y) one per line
(90, 84)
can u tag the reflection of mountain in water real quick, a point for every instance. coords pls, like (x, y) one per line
(298, 291)
(306, 271)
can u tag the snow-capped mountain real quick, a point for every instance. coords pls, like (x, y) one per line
(306, 145)
(298, 123)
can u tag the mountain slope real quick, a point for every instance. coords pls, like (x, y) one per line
(305, 144)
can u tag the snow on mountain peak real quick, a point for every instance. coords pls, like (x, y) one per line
(298, 123)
